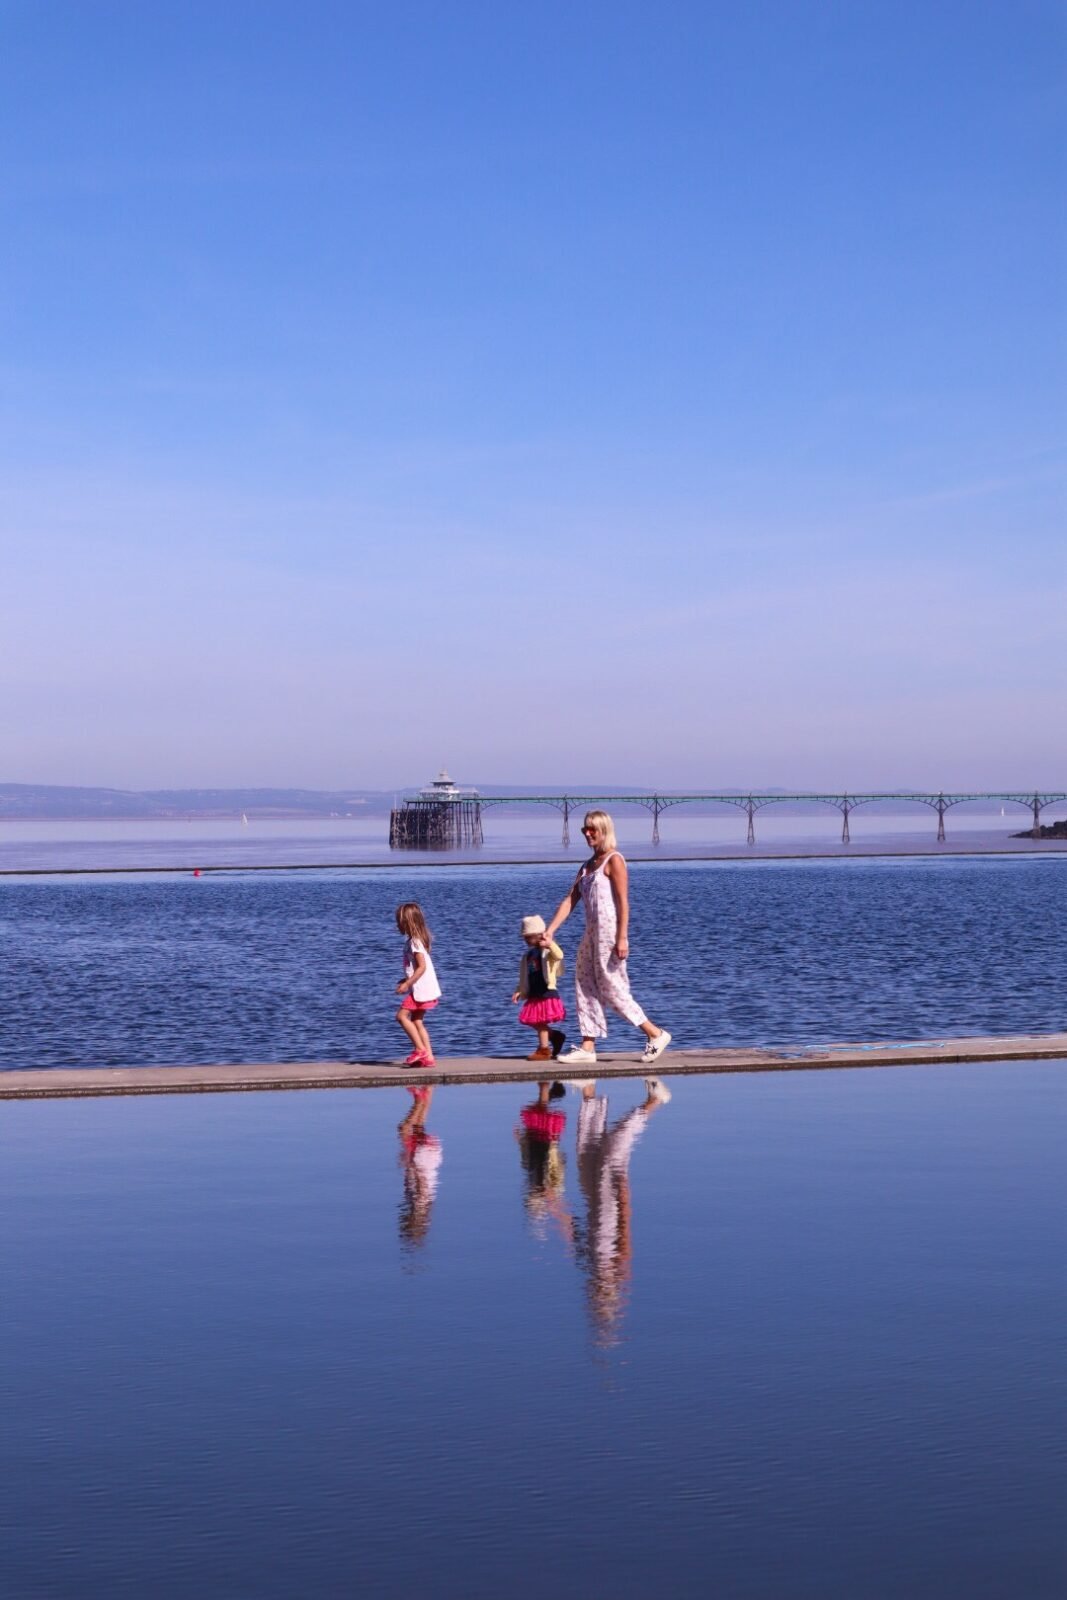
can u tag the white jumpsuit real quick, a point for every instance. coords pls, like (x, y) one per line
(599, 976)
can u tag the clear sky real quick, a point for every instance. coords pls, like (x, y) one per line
(569, 392)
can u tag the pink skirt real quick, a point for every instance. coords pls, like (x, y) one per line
(544, 1127)
(409, 1003)
(535, 1013)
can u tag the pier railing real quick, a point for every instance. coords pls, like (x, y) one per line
(940, 802)
(455, 820)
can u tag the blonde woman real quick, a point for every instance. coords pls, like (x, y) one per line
(600, 979)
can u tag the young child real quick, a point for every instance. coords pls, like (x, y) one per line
(419, 987)
(539, 973)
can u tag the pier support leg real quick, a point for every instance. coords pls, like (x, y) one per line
(655, 820)
(566, 823)
(1035, 832)
(750, 807)
(941, 809)
(846, 837)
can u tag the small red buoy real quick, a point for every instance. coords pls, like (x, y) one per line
(196, 872)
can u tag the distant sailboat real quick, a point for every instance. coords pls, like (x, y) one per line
(244, 820)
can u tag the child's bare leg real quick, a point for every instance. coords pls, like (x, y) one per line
(406, 1020)
(424, 1038)
(542, 1037)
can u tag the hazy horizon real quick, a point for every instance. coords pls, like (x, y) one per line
(542, 785)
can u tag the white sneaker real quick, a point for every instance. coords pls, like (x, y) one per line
(655, 1047)
(657, 1091)
(577, 1057)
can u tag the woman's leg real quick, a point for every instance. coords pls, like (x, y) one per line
(592, 1023)
(634, 1014)
(615, 991)
(615, 988)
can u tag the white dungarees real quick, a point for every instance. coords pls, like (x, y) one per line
(600, 977)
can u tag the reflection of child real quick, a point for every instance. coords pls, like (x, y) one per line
(539, 973)
(420, 1157)
(419, 987)
(542, 1159)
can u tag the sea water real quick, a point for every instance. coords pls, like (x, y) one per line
(303, 966)
(789, 1334)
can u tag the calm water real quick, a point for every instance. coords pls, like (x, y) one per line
(789, 1336)
(73, 846)
(266, 967)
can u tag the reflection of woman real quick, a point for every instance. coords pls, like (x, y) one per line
(420, 1157)
(604, 1243)
(601, 980)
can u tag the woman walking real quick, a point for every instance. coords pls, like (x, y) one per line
(602, 885)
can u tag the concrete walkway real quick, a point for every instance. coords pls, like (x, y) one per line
(58, 1083)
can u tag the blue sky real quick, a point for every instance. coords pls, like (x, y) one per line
(578, 393)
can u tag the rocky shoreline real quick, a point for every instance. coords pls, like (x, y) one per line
(1047, 830)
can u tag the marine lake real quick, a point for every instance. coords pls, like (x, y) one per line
(787, 1335)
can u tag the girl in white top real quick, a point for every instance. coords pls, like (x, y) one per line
(419, 985)
(601, 978)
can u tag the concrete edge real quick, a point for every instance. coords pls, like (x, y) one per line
(45, 1083)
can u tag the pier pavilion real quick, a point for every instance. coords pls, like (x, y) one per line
(442, 816)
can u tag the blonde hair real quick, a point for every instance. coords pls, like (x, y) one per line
(606, 826)
(410, 920)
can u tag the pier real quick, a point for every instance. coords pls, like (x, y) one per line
(443, 816)
(66, 1083)
(440, 817)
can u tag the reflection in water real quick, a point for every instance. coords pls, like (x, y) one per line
(601, 1241)
(604, 1240)
(435, 1422)
(420, 1158)
(540, 1130)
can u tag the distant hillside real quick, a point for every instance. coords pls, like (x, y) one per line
(55, 800)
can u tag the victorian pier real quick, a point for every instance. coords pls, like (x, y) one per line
(444, 816)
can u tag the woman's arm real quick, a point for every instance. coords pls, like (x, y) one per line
(619, 878)
(563, 911)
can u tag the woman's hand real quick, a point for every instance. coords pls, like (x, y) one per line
(622, 947)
